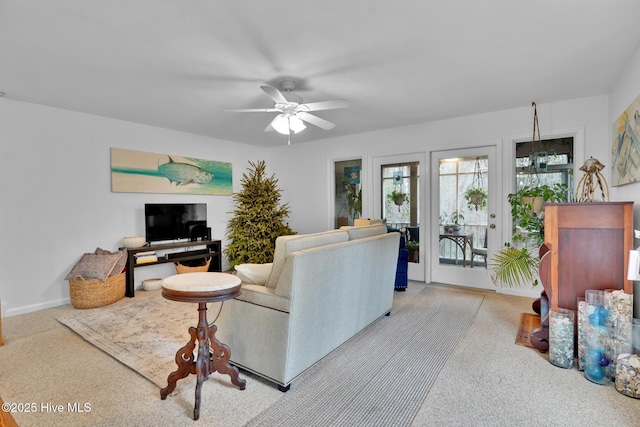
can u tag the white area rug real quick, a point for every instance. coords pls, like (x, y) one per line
(143, 332)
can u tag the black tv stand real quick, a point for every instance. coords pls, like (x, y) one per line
(214, 250)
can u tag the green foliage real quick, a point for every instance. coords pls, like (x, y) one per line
(412, 245)
(514, 266)
(476, 198)
(398, 197)
(525, 220)
(455, 218)
(354, 199)
(257, 220)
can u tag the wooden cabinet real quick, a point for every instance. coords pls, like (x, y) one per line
(586, 247)
(589, 246)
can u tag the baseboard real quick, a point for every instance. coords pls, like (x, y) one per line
(36, 307)
(519, 292)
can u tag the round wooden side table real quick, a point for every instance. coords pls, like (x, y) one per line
(201, 288)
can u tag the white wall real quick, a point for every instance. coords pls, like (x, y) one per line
(55, 178)
(56, 195)
(305, 169)
(626, 90)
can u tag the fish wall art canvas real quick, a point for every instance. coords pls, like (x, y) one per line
(142, 172)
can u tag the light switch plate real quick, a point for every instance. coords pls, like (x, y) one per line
(633, 273)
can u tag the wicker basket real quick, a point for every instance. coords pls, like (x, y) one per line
(93, 293)
(181, 268)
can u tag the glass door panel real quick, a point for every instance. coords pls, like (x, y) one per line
(348, 191)
(464, 220)
(398, 195)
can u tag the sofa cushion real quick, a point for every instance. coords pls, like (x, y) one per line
(122, 261)
(265, 297)
(254, 274)
(297, 242)
(94, 266)
(366, 231)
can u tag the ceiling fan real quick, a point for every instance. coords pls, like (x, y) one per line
(293, 112)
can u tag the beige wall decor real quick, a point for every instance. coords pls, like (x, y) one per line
(625, 147)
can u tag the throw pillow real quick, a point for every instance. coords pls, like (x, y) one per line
(255, 274)
(122, 262)
(94, 266)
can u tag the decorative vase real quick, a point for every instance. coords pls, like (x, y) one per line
(620, 308)
(561, 337)
(582, 319)
(597, 337)
(627, 377)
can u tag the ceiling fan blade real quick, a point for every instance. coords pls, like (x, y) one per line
(275, 94)
(326, 105)
(315, 120)
(252, 110)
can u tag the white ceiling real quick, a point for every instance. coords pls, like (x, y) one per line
(178, 64)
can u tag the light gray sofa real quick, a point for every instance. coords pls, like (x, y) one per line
(323, 289)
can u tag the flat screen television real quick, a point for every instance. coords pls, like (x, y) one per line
(175, 221)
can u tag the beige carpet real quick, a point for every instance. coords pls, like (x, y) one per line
(486, 381)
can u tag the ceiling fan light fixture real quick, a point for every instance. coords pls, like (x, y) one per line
(296, 124)
(285, 124)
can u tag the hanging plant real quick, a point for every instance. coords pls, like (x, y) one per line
(398, 197)
(476, 195)
(476, 198)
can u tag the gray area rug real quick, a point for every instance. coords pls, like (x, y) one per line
(143, 333)
(375, 378)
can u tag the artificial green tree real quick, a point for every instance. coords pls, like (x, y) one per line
(258, 218)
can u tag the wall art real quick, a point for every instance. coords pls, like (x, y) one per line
(141, 172)
(625, 148)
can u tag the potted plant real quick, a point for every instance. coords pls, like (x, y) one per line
(527, 210)
(413, 247)
(518, 261)
(354, 200)
(476, 198)
(452, 222)
(398, 197)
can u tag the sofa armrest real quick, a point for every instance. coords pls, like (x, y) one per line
(265, 297)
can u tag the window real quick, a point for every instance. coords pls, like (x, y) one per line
(553, 161)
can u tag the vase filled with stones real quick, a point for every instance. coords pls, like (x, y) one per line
(582, 319)
(561, 337)
(627, 377)
(620, 307)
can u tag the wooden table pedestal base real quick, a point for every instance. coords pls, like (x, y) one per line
(212, 356)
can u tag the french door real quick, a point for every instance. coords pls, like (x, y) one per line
(465, 230)
(403, 173)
